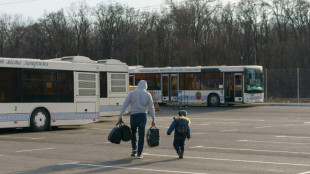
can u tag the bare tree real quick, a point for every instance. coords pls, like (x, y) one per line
(79, 17)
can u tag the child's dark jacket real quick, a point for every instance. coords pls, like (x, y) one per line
(176, 133)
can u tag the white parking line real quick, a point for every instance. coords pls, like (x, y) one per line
(231, 130)
(197, 133)
(231, 119)
(200, 124)
(284, 136)
(101, 129)
(31, 138)
(288, 125)
(232, 160)
(253, 150)
(308, 172)
(272, 142)
(30, 150)
(224, 122)
(262, 127)
(76, 162)
(130, 168)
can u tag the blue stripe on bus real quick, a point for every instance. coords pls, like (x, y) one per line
(55, 116)
(107, 108)
(14, 117)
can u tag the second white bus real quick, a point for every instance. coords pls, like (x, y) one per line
(210, 85)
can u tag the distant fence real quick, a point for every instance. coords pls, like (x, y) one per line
(289, 84)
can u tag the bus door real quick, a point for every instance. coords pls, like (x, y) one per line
(87, 92)
(169, 87)
(229, 87)
(174, 87)
(238, 87)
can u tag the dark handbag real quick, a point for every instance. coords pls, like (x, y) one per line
(126, 132)
(115, 135)
(152, 137)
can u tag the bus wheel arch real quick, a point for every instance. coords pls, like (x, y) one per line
(213, 100)
(40, 119)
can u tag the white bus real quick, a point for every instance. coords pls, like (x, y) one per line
(210, 85)
(63, 91)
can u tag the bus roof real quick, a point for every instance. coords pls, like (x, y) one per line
(223, 68)
(79, 63)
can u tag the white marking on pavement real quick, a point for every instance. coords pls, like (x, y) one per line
(31, 138)
(287, 125)
(224, 122)
(232, 160)
(254, 150)
(30, 150)
(196, 147)
(284, 136)
(162, 126)
(197, 133)
(308, 172)
(262, 127)
(199, 125)
(230, 119)
(231, 130)
(100, 129)
(130, 168)
(76, 162)
(272, 142)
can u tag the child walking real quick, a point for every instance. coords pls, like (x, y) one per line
(182, 131)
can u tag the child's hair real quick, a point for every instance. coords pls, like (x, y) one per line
(182, 113)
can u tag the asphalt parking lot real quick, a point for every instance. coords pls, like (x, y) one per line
(225, 140)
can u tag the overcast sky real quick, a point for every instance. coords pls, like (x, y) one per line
(36, 8)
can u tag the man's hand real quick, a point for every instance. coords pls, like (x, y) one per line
(120, 118)
(153, 123)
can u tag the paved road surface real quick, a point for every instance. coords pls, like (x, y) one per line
(225, 140)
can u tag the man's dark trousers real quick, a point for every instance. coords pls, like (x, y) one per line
(138, 121)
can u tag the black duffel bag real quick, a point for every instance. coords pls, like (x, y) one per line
(115, 135)
(126, 131)
(152, 137)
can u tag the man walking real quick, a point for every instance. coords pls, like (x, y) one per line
(140, 101)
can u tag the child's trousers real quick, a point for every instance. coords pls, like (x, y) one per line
(179, 144)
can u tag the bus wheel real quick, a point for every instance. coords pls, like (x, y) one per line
(213, 100)
(40, 120)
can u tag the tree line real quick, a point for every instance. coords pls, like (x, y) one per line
(271, 33)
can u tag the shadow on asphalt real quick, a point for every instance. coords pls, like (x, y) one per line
(8, 131)
(109, 166)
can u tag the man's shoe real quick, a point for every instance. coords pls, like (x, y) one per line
(139, 157)
(180, 154)
(133, 153)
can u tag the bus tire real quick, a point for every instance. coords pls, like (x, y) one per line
(40, 120)
(213, 100)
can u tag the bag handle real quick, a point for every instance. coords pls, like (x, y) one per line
(153, 127)
(120, 123)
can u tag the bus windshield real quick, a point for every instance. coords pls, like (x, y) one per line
(254, 80)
